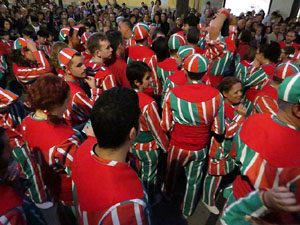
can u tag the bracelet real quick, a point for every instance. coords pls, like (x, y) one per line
(225, 13)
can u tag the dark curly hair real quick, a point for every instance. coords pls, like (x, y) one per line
(47, 93)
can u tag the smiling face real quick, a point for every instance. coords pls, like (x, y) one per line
(234, 95)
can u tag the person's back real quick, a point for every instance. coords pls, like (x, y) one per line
(263, 159)
(103, 179)
(190, 111)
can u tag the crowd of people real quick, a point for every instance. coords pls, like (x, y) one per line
(108, 111)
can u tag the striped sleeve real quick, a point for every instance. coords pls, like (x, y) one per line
(152, 63)
(13, 217)
(83, 103)
(218, 125)
(29, 74)
(241, 211)
(255, 78)
(215, 48)
(130, 213)
(265, 104)
(232, 127)
(232, 32)
(32, 172)
(153, 121)
(167, 116)
(64, 152)
(7, 98)
(109, 82)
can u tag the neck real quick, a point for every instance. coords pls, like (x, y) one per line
(288, 118)
(115, 154)
(39, 114)
(192, 45)
(70, 77)
(189, 79)
(97, 59)
(275, 84)
(227, 101)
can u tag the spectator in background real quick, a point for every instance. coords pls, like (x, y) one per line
(275, 35)
(164, 23)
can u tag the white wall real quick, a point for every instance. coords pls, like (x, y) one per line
(284, 6)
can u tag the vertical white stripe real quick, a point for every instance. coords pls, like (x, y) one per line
(204, 112)
(115, 217)
(85, 219)
(191, 113)
(260, 174)
(138, 214)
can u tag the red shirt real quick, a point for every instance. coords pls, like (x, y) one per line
(117, 66)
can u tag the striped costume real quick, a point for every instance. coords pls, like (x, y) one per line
(165, 69)
(54, 146)
(104, 190)
(266, 101)
(145, 54)
(221, 159)
(257, 78)
(242, 70)
(27, 75)
(80, 105)
(11, 114)
(104, 78)
(150, 141)
(172, 81)
(265, 162)
(16, 209)
(189, 112)
(220, 53)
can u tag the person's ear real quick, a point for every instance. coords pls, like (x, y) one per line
(225, 94)
(137, 83)
(296, 110)
(133, 134)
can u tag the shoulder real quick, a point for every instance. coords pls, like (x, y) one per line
(195, 92)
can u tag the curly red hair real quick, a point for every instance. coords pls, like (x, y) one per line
(47, 93)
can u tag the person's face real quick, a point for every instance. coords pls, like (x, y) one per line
(77, 68)
(241, 24)
(112, 17)
(64, 22)
(268, 30)
(234, 95)
(72, 23)
(146, 18)
(40, 17)
(163, 17)
(276, 29)
(29, 55)
(132, 20)
(50, 38)
(70, 10)
(185, 28)
(75, 38)
(290, 37)
(123, 28)
(179, 21)
(41, 40)
(105, 50)
(136, 12)
(64, 15)
(156, 18)
(258, 31)
(146, 82)
(6, 25)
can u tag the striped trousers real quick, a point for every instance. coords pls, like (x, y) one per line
(210, 187)
(147, 168)
(32, 172)
(192, 162)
